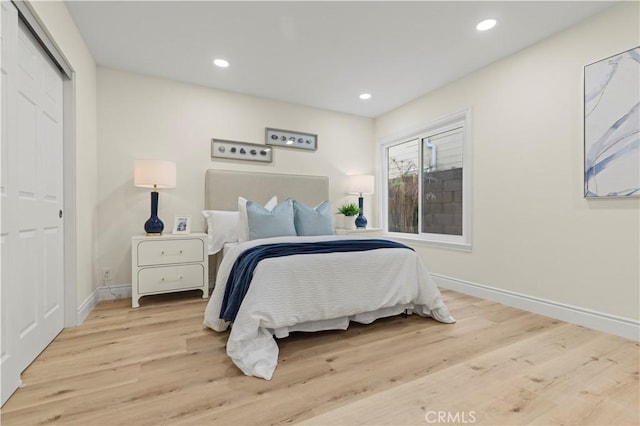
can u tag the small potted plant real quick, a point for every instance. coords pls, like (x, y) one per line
(349, 210)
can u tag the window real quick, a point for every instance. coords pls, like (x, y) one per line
(427, 176)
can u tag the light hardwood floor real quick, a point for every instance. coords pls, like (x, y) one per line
(496, 365)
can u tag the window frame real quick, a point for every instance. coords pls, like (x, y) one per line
(456, 242)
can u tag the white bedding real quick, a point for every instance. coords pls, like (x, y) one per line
(227, 247)
(313, 292)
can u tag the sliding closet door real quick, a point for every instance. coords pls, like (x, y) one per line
(32, 200)
(9, 372)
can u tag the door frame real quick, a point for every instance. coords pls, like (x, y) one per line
(69, 202)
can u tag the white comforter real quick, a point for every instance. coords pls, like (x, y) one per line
(312, 292)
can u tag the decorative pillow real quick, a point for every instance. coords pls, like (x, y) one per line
(222, 227)
(265, 223)
(243, 226)
(310, 222)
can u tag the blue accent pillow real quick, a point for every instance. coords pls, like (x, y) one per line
(310, 222)
(264, 223)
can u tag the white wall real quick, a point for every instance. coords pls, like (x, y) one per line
(533, 232)
(60, 25)
(147, 117)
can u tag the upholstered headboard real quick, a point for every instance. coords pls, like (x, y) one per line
(223, 187)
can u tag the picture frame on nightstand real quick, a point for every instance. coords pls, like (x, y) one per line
(182, 225)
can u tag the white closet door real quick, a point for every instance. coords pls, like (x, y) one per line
(32, 199)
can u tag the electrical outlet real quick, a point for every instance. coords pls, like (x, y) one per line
(107, 274)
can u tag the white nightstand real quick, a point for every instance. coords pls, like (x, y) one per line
(367, 232)
(168, 263)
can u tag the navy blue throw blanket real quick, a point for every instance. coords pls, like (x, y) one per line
(242, 270)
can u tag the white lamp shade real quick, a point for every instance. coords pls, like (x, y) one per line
(361, 184)
(154, 174)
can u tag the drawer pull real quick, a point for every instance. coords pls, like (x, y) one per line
(165, 280)
(169, 254)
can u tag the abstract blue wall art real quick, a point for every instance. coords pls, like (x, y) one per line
(612, 126)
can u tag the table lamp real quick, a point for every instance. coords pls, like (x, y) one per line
(361, 184)
(154, 174)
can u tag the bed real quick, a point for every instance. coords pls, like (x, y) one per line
(269, 286)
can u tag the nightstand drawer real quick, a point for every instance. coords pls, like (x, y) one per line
(170, 278)
(165, 252)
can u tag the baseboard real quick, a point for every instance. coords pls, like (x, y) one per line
(98, 295)
(619, 326)
(114, 292)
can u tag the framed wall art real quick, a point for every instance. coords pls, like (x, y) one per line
(612, 126)
(241, 151)
(291, 139)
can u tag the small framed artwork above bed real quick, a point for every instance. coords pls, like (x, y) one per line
(282, 268)
(291, 139)
(241, 151)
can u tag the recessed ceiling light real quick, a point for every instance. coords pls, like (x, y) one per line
(485, 25)
(365, 96)
(220, 63)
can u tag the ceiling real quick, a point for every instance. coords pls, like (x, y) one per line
(320, 54)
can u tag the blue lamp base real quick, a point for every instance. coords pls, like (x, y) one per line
(361, 221)
(154, 226)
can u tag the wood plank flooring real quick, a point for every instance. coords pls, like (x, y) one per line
(497, 365)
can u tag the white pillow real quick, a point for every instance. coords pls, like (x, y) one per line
(243, 225)
(222, 227)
